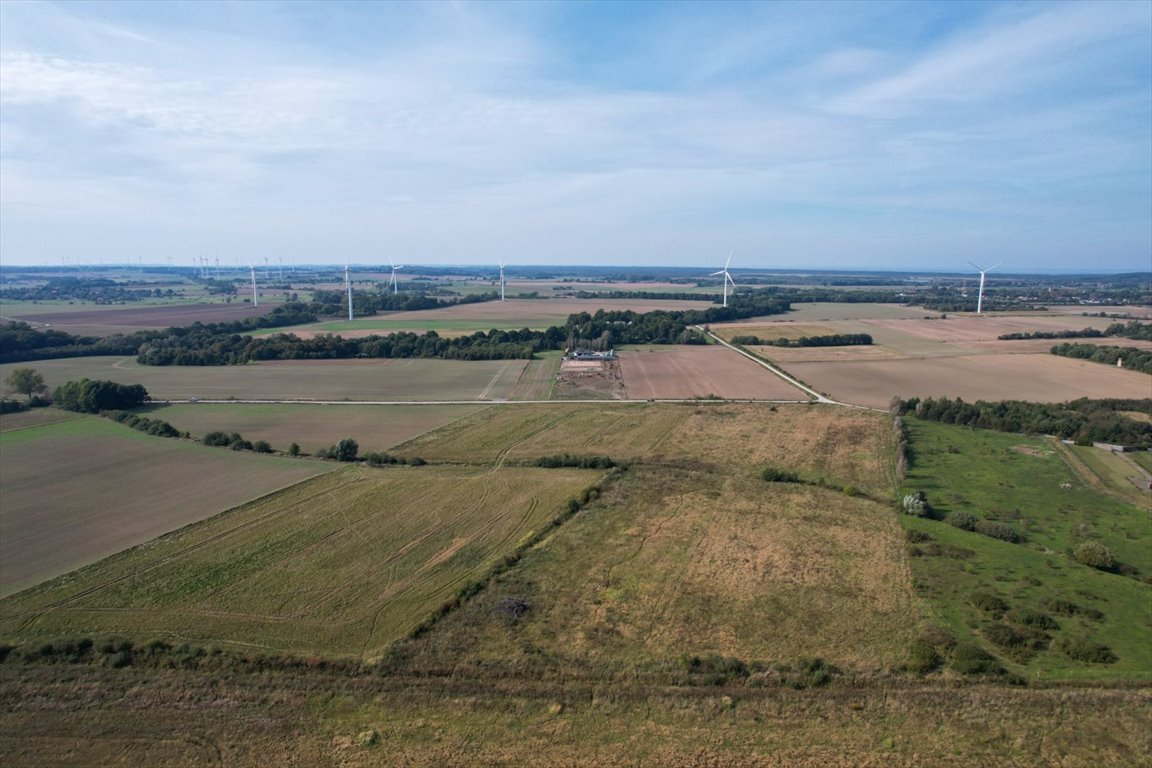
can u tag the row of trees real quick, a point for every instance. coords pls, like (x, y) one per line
(1134, 359)
(87, 396)
(1085, 421)
(832, 340)
(1130, 330)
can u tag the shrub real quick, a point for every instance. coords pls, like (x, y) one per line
(261, 446)
(1094, 554)
(1069, 608)
(971, 659)
(916, 504)
(1035, 619)
(965, 521)
(216, 438)
(294, 450)
(989, 603)
(998, 530)
(345, 450)
(512, 607)
(923, 658)
(918, 537)
(1082, 649)
(774, 475)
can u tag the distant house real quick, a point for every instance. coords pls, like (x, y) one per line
(590, 354)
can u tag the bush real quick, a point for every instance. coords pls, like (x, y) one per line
(998, 530)
(1082, 649)
(989, 603)
(1069, 608)
(1094, 554)
(971, 659)
(1035, 619)
(294, 450)
(216, 438)
(916, 504)
(918, 537)
(345, 450)
(261, 446)
(965, 521)
(923, 658)
(774, 475)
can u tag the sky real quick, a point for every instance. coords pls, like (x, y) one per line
(809, 135)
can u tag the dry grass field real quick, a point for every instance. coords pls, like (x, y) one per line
(341, 565)
(1037, 377)
(371, 380)
(105, 320)
(682, 372)
(81, 489)
(312, 426)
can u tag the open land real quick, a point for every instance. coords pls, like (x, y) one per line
(371, 380)
(312, 426)
(105, 320)
(82, 489)
(681, 372)
(343, 564)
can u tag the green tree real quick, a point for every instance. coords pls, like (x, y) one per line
(345, 450)
(26, 381)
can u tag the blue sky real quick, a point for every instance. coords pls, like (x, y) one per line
(863, 135)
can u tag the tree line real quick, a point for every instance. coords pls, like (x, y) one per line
(832, 340)
(1084, 421)
(1134, 359)
(1132, 330)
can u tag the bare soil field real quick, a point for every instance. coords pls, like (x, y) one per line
(79, 490)
(342, 565)
(1036, 377)
(97, 321)
(784, 329)
(817, 312)
(371, 380)
(589, 379)
(313, 426)
(34, 418)
(681, 372)
(975, 328)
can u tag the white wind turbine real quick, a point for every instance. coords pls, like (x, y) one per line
(980, 295)
(394, 282)
(348, 287)
(727, 277)
(255, 301)
(501, 279)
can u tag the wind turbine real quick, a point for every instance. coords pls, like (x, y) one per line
(395, 268)
(980, 295)
(501, 262)
(348, 287)
(727, 277)
(255, 300)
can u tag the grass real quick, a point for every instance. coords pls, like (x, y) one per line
(341, 565)
(1113, 470)
(1142, 458)
(1022, 481)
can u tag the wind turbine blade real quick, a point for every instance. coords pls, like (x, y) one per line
(721, 272)
(978, 269)
(728, 262)
(730, 280)
(994, 266)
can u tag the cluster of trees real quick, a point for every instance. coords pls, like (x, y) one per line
(1085, 421)
(372, 302)
(1134, 359)
(157, 427)
(236, 442)
(580, 462)
(832, 340)
(98, 290)
(1131, 330)
(651, 295)
(87, 396)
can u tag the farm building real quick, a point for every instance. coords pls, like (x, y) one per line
(590, 354)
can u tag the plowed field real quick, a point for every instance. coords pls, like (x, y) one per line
(681, 372)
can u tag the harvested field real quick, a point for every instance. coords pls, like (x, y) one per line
(370, 380)
(34, 418)
(341, 565)
(817, 312)
(683, 372)
(537, 379)
(91, 320)
(770, 331)
(1036, 377)
(82, 489)
(374, 427)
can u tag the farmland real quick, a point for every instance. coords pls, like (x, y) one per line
(311, 426)
(94, 510)
(681, 372)
(337, 565)
(104, 320)
(371, 380)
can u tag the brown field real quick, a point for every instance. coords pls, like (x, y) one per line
(79, 490)
(312, 426)
(34, 418)
(367, 380)
(682, 372)
(1036, 377)
(123, 319)
(537, 379)
(340, 565)
(770, 330)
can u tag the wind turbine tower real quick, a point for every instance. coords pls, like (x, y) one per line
(501, 280)
(255, 301)
(727, 278)
(348, 287)
(395, 268)
(980, 294)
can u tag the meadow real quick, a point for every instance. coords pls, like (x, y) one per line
(976, 584)
(82, 488)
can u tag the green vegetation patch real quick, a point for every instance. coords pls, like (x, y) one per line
(1030, 603)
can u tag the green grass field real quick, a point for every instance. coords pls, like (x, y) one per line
(1114, 471)
(1023, 483)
